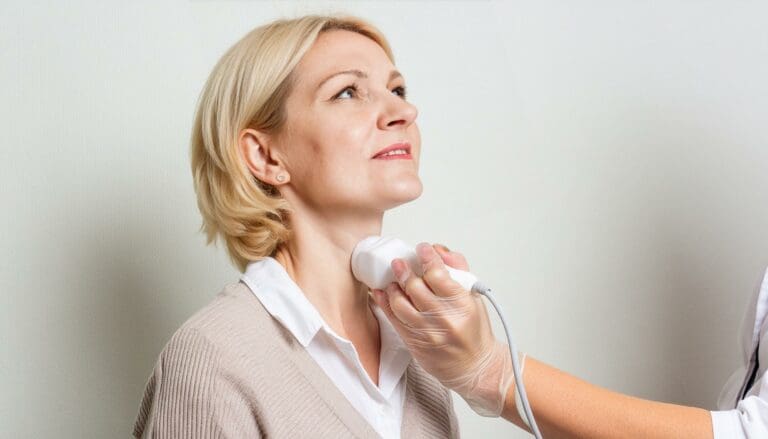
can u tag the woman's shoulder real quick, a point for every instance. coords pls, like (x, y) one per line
(203, 355)
(233, 304)
(233, 316)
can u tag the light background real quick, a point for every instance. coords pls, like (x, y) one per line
(602, 165)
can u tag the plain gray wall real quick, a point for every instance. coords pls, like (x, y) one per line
(602, 165)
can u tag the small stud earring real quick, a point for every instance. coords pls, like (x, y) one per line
(280, 177)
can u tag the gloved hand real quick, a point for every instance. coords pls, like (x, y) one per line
(447, 329)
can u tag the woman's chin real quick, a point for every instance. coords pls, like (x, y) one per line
(402, 192)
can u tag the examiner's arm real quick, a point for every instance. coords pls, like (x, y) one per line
(448, 331)
(565, 406)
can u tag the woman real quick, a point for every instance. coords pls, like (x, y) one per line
(303, 139)
(563, 406)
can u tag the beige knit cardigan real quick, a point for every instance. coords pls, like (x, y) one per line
(232, 371)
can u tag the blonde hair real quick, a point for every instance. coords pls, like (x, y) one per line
(247, 89)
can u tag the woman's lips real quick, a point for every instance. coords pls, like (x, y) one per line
(395, 157)
(404, 146)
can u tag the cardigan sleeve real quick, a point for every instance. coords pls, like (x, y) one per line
(189, 395)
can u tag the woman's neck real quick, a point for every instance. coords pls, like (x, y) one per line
(318, 259)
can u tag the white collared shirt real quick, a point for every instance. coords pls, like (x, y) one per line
(382, 405)
(743, 402)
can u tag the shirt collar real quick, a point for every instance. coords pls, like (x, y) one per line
(283, 299)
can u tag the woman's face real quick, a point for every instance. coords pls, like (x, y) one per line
(347, 104)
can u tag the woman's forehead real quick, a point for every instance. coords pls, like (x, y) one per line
(340, 50)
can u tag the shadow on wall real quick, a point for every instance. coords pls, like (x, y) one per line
(136, 297)
(700, 254)
(651, 239)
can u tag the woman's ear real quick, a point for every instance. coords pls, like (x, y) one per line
(260, 158)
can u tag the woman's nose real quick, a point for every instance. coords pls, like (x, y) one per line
(397, 113)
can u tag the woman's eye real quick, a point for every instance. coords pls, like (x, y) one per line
(400, 91)
(352, 91)
(347, 93)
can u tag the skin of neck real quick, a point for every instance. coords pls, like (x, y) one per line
(318, 259)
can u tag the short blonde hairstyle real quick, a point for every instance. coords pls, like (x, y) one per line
(247, 89)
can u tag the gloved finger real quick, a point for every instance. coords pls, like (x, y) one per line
(451, 258)
(424, 299)
(421, 296)
(381, 298)
(401, 306)
(435, 275)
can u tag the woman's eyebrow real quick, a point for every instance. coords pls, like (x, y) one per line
(359, 73)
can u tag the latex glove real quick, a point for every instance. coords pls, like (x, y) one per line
(447, 329)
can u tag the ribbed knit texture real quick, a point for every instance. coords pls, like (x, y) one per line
(232, 371)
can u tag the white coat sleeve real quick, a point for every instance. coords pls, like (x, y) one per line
(749, 420)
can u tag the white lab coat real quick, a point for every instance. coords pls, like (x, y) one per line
(743, 403)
